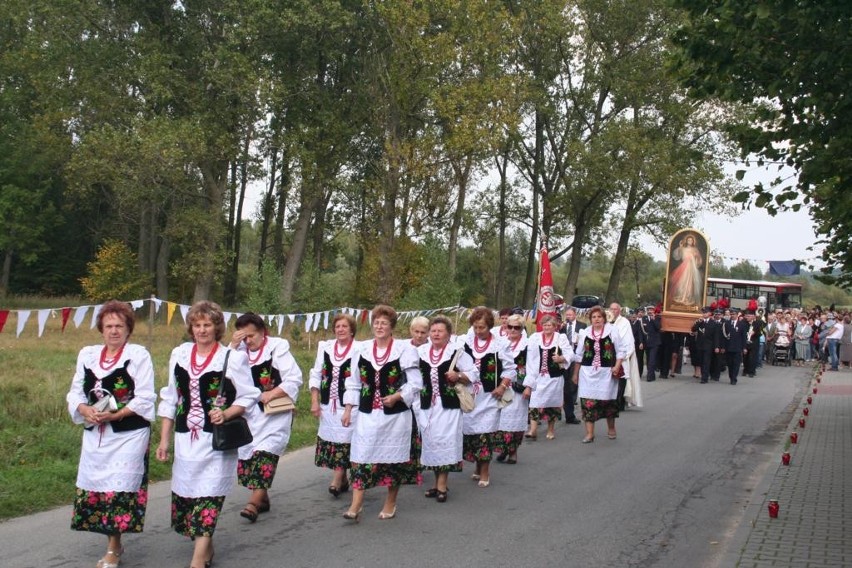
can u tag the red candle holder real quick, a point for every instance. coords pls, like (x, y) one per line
(806, 411)
(819, 379)
(815, 390)
(785, 458)
(801, 422)
(773, 508)
(810, 399)
(794, 438)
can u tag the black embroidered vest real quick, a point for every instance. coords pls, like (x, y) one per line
(326, 378)
(449, 398)
(390, 379)
(521, 362)
(490, 369)
(553, 369)
(121, 385)
(607, 352)
(265, 377)
(210, 387)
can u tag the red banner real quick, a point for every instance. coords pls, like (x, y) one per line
(545, 302)
(65, 313)
(3, 315)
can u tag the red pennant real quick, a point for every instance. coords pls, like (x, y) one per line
(3, 315)
(65, 313)
(546, 302)
(364, 315)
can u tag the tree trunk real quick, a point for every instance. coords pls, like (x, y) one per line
(318, 229)
(301, 230)
(214, 176)
(162, 268)
(461, 172)
(266, 210)
(502, 167)
(576, 258)
(7, 271)
(538, 169)
(281, 210)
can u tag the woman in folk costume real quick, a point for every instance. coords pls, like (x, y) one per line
(202, 392)
(335, 362)
(437, 409)
(549, 353)
(496, 369)
(112, 478)
(513, 418)
(600, 354)
(276, 374)
(380, 393)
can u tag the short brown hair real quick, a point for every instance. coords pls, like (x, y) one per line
(596, 309)
(120, 309)
(250, 318)
(206, 308)
(481, 313)
(383, 311)
(350, 320)
(444, 320)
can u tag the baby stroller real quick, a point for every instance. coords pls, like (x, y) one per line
(782, 353)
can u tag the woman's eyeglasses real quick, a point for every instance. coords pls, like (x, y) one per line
(516, 327)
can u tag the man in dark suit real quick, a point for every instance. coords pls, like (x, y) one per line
(571, 328)
(734, 332)
(650, 328)
(754, 329)
(707, 341)
(639, 338)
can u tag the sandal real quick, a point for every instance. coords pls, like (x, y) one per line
(441, 496)
(501, 458)
(263, 507)
(587, 440)
(117, 555)
(432, 493)
(512, 460)
(250, 514)
(350, 516)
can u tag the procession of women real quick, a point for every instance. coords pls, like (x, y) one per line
(390, 411)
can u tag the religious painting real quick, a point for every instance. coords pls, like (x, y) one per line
(686, 272)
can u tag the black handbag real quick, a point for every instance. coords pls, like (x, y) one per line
(235, 432)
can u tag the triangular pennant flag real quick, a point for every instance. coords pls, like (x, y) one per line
(80, 315)
(292, 317)
(227, 316)
(325, 321)
(309, 321)
(95, 311)
(364, 315)
(65, 313)
(136, 304)
(184, 309)
(170, 311)
(317, 319)
(23, 316)
(280, 322)
(42, 319)
(157, 303)
(4, 315)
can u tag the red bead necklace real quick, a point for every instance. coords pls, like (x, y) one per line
(484, 347)
(259, 352)
(109, 363)
(433, 359)
(198, 369)
(545, 342)
(340, 356)
(380, 361)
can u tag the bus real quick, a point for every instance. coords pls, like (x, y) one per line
(739, 292)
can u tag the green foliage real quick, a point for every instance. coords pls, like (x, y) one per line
(795, 57)
(114, 274)
(745, 270)
(263, 295)
(436, 288)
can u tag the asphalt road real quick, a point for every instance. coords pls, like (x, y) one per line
(670, 491)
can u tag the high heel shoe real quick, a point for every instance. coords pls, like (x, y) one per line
(550, 435)
(386, 516)
(350, 516)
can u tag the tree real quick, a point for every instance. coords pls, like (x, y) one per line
(793, 60)
(114, 275)
(745, 270)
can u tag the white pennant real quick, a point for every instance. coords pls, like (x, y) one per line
(80, 315)
(23, 316)
(42, 319)
(136, 304)
(280, 323)
(157, 303)
(227, 316)
(183, 311)
(292, 317)
(317, 319)
(325, 321)
(95, 311)
(309, 320)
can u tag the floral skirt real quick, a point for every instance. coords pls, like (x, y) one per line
(259, 471)
(552, 414)
(479, 447)
(332, 455)
(456, 467)
(196, 516)
(367, 475)
(507, 443)
(594, 409)
(111, 512)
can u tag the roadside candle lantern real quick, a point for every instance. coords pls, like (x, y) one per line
(794, 437)
(801, 422)
(773, 508)
(810, 399)
(785, 458)
(806, 411)
(815, 390)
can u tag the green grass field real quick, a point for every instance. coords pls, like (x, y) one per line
(40, 445)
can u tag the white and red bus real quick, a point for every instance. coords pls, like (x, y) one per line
(739, 292)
